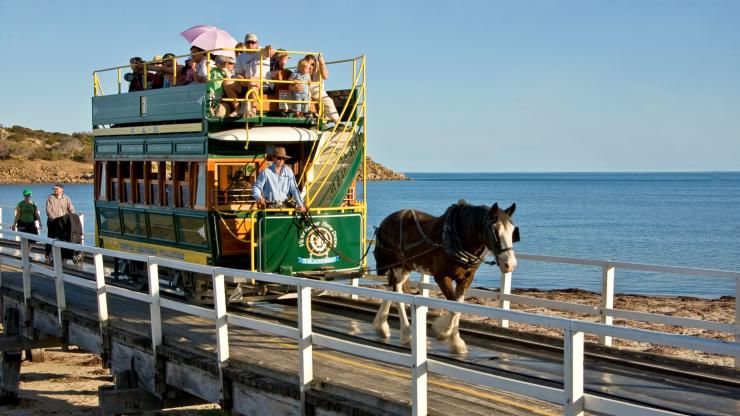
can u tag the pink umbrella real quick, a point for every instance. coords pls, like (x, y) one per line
(209, 38)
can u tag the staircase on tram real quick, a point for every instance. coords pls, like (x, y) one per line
(336, 164)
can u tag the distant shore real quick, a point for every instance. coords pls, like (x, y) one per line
(14, 171)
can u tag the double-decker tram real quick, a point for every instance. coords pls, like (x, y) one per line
(174, 179)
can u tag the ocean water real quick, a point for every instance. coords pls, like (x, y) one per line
(678, 219)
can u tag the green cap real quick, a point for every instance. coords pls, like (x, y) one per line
(26, 192)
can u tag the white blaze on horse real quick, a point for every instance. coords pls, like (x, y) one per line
(450, 248)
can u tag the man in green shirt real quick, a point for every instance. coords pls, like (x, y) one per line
(26, 215)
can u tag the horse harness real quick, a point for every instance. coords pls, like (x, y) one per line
(451, 242)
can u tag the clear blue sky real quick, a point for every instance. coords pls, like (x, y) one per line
(495, 86)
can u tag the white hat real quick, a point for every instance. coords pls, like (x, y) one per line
(250, 37)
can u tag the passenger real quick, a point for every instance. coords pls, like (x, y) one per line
(57, 206)
(301, 94)
(26, 215)
(279, 72)
(167, 69)
(319, 70)
(187, 73)
(250, 66)
(276, 184)
(136, 79)
(238, 46)
(224, 69)
(200, 59)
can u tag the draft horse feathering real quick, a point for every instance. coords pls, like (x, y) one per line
(450, 247)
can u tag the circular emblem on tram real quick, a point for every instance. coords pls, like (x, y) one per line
(320, 240)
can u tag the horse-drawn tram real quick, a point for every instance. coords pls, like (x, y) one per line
(174, 174)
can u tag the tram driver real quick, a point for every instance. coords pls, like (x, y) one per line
(277, 183)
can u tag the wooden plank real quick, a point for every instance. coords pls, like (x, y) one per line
(10, 365)
(126, 401)
(18, 343)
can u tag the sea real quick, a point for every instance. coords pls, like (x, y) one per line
(676, 219)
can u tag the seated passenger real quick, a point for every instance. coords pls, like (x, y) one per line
(136, 78)
(279, 72)
(301, 94)
(202, 64)
(318, 70)
(250, 66)
(238, 46)
(167, 69)
(223, 69)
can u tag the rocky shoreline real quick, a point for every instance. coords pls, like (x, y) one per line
(16, 171)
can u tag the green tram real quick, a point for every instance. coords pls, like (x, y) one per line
(174, 181)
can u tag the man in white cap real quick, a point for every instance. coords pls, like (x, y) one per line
(276, 184)
(57, 206)
(250, 65)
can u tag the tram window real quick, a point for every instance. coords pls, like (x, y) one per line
(235, 183)
(162, 226)
(102, 181)
(109, 220)
(192, 231)
(137, 180)
(200, 185)
(134, 223)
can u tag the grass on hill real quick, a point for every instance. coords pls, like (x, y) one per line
(22, 143)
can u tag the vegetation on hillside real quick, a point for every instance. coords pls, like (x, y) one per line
(22, 143)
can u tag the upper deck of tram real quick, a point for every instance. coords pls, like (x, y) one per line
(263, 100)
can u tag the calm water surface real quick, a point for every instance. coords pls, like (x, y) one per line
(680, 219)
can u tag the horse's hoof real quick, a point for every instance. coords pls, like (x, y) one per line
(383, 330)
(405, 337)
(458, 347)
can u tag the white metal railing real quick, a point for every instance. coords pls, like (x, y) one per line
(605, 310)
(572, 396)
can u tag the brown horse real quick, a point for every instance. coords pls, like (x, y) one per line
(450, 248)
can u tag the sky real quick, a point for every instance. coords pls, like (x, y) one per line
(467, 86)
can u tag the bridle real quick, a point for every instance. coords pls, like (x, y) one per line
(493, 240)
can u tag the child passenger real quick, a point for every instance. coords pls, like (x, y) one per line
(224, 69)
(301, 91)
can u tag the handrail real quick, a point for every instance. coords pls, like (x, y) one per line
(572, 396)
(98, 91)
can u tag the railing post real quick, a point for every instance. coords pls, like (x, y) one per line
(737, 319)
(355, 283)
(419, 359)
(101, 292)
(56, 252)
(424, 280)
(222, 334)
(1, 223)
(82, 228)
(503, 303)
(26, 267)
(573, 372)
(305, 343)
(155, 312)
(607, 300)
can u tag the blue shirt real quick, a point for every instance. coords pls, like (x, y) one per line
(276, 187)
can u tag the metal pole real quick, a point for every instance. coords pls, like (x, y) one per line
(101, 291)
(573, 373)
(26, 253)
(59, 281)
(155, 311)
(419, 361)
(305, 343)
(607, 300)
(222, 331)
(505, 289)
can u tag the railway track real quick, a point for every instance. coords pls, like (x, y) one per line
(507, 353)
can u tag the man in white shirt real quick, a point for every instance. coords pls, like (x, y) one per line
(250, 66)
